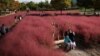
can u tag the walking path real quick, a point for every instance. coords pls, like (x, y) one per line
(7, 14)
(78, 52)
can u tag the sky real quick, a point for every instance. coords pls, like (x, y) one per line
(31, 0)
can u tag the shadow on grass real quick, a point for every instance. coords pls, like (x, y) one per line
(39, 14)
(78, 14)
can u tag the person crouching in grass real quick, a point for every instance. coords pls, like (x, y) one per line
(3, 29)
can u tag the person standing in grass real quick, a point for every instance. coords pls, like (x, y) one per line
(27, 10)
(71, 35)
(16, 11)
(20, 17)
(16, 19)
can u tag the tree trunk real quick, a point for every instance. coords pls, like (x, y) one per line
(61, 12)
(85, 11)
(94, 11)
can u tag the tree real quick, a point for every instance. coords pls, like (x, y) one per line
(47, 5)
(68, 3)
(14, 5)
(44, 5)
(85, 3)
(58, 4)
(23, 6)
(61, 4)
(96, 5)
(2, 6)
(89, 4)
(32, 5)
(9, 4)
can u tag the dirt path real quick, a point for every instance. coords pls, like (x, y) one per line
(78, 52)
(86, 52)
(7, 14)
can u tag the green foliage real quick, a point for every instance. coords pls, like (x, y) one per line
(68, 3)
(9, 4)
(61, 4)
(96, 4)
(31, 5)
(35, 6)
(89, 3)
(22, 6)
(85, 3)
(44, 5)
(41, 4)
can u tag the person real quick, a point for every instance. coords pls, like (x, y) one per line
(20, 17)
(16, 11)
(27, 10)
(71, 35)
(0, 34)
(0, 31)
(67, 41)
(16, 19)
(3, 29)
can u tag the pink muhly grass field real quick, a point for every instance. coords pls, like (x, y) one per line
(33, 36)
